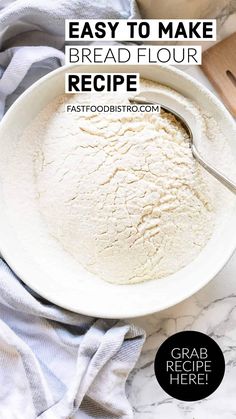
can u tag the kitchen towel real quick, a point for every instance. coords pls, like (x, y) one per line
(32, 37)
(55, 364)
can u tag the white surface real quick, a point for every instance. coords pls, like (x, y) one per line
(46, 271)
(212, 311)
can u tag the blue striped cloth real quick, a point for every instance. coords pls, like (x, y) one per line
(55, 364)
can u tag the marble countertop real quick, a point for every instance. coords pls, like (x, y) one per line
(212, 311)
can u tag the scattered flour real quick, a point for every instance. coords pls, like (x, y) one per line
(122, 194)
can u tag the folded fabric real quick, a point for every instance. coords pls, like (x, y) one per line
(35, 23)
(55, 364)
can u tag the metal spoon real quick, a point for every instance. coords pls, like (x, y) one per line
(142, 98)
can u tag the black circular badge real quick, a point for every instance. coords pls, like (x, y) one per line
(189, 366)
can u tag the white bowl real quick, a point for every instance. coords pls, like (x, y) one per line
(60, 279)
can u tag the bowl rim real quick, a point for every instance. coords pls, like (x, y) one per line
(125, 313)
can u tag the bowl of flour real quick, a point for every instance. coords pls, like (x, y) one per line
(110, 215)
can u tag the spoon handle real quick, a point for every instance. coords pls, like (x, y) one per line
(214, 172)
(207, 166)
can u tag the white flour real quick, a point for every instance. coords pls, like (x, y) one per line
(123, 195)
